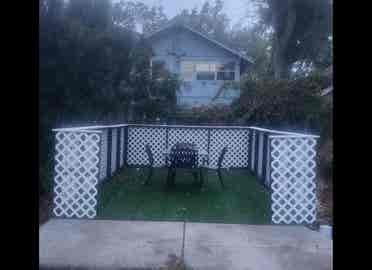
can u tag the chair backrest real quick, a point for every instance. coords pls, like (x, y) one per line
(221, 157)
(184, 156)
(150, 156)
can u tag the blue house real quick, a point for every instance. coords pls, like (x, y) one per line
(206, 67)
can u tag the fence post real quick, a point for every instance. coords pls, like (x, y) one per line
(208, 146)
(166, 138)
(271, 211)
(77, 164)
(264, 156)
(268, 161)
(293, 187)
(249, 149)
(103, 155)
(126, 143)
(109, 149)
(118, 147)
(256, 151)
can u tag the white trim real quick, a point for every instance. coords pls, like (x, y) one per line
(284, 132)
(294, 136)
(276, 133)
(88, 128)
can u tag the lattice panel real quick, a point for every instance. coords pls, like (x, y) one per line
(138, 137)
(186, 135)
(76, 174)
(237, 141)
(293, 180)
(103, 155)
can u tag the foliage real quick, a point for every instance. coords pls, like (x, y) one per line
(207, 115)
(285, 104)
(210, 20)
(130, 14)
(91, 71)
(302, 31)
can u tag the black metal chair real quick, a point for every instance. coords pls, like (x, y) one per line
(150, 166)
(219, 164)
(182, 156)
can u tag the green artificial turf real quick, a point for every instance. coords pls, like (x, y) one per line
(242, 201)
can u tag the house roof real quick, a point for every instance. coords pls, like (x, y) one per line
(328, 72)
(327, 91)
(176, 23)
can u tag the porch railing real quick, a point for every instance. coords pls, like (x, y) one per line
(284, 162)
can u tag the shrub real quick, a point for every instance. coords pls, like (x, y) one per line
(285, 104)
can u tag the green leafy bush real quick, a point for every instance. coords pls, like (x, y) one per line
(285, 104)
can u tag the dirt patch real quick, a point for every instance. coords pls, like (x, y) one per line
(44, 209)
(325, 203)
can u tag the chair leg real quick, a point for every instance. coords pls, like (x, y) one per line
(195, 174)
(220, 178)
(169, 175)
(149, 176)
(201, 177)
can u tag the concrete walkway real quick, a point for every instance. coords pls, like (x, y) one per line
(99, 244)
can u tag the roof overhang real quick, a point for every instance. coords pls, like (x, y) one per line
(215, 42)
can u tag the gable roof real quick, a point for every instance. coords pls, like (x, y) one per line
(176, 23)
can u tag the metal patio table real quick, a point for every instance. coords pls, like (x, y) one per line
(185, 156)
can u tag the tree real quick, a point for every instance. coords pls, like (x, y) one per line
(209, 20)
(91, 70)
(92, 13)
(301, 32)
(131, 14)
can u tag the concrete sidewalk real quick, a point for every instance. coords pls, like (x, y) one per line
(99, 244)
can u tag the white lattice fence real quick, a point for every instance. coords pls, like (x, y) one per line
(76, 174)
(236, 140)
(293, 179)
(138, 137)
(197, 136)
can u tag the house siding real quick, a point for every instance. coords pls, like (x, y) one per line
(189, 46)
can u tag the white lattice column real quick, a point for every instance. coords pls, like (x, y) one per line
(76, 173)
(293, 198)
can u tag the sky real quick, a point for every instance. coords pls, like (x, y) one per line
(235, 9)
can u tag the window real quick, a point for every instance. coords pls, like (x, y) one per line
(225, 76)
(226, 72)
(205, 71)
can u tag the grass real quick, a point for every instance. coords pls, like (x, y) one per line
(242, 201)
